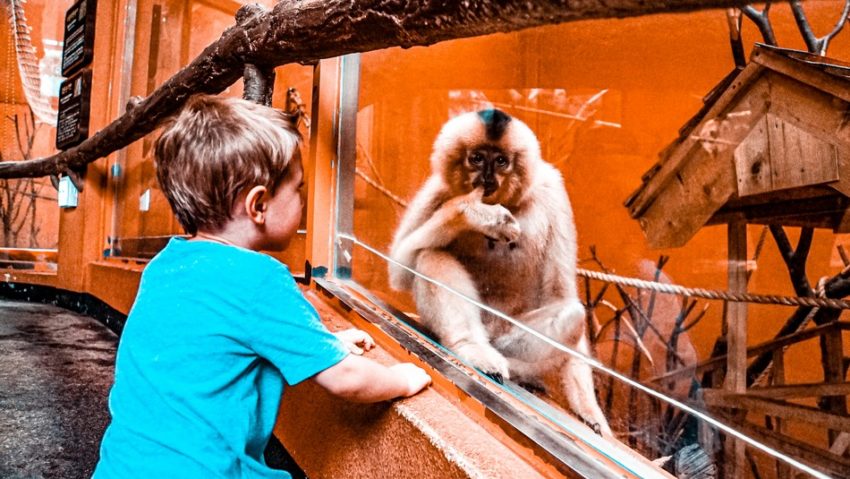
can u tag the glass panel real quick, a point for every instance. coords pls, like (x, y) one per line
(178, 33)
(29, 214)
(603, 98)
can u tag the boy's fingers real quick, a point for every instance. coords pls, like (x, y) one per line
(417, 378)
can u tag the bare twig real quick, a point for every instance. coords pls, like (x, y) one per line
(813, 43)
(762, 21)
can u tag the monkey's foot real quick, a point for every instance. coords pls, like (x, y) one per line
(600, 428)
(496, 377)
(533, 387)
(486, 359)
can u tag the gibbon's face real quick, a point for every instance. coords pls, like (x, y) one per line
(487, 166)
(494, 159)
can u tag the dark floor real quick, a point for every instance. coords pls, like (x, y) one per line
(55, 373)
(56, 368)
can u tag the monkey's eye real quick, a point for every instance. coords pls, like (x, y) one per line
(501, 161)
(476, 159)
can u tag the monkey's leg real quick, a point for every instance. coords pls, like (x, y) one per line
(577, 381)
(562, 322)
(456, 322)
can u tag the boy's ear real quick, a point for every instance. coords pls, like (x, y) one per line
(255, 204)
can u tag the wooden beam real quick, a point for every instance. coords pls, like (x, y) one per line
(306, 31)
(793, 338)
(736, 335)
(801, 390)
(771, 407)
(824, 461)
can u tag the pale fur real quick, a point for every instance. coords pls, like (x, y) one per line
(442, 235)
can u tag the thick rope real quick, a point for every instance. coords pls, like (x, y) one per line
(28, 63)
(715, 294)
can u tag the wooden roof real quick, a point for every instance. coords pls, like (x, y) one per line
(771, 145)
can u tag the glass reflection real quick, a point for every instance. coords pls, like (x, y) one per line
(603, 110)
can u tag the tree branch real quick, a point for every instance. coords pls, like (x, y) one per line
(824, 41)
(795, 259)
(803, 25)
(300, 31)
(813, 43)
(762, 21)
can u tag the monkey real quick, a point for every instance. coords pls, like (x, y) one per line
(493, 221)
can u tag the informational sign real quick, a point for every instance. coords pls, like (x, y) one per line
(72, 125)
(78, 48)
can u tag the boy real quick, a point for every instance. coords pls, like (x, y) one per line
(218, 328)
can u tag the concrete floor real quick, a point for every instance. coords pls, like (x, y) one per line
(55, 373)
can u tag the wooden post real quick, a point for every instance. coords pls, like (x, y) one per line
(736, 318)
(320, 166)
(834, 373)
(783, 471)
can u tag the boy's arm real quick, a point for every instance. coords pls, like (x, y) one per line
(359, 379)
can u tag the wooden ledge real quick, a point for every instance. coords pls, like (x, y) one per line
(426, 436)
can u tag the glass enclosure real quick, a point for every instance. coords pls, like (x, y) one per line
(29, 215)
(170, 34)
(604, 98)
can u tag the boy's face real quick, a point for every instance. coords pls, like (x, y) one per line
(283, 215)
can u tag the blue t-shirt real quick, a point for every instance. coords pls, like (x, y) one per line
(215, 333)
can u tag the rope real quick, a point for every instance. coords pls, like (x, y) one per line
(715, 294)
(28, 63)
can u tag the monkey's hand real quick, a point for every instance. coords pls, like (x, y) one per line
(493, 221)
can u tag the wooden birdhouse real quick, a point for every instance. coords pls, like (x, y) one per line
(770, 146)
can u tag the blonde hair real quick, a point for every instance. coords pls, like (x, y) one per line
(216, 148)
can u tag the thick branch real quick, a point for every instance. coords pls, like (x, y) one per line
(299, 31)
(795, 259)
(814, 44)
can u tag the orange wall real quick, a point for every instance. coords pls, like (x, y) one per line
(654, 71)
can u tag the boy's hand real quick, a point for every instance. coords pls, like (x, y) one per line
(417, 378)
(356, 340)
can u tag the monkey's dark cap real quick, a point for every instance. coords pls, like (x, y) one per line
(495, 123)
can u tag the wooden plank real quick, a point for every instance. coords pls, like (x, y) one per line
(843, 184)
(801, 390)
(821, 212)
(752, 161)
(783, 471)
(736, 335)
(841, 443)
(771, 345)
(681, 209)
(772, 407)
(819, 459)
(679, 154)
(798, 158)
(833, 372)
(830, 84)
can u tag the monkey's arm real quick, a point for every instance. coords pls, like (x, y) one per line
(559, 269)
(430, 223)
